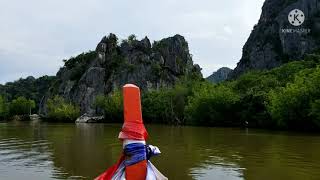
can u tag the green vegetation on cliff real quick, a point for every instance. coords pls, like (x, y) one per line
(78, 64)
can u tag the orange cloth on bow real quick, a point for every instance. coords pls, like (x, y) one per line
(133, 127)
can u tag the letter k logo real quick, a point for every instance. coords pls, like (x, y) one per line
(296, 17)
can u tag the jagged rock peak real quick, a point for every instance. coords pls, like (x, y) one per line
(220, 75)
(107, 43)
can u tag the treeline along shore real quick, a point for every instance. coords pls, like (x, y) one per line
(286, 97)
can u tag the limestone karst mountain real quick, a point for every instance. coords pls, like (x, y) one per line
(114, 64)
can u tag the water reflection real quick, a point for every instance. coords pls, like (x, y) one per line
(82, 151)
(87, 150)
(217, 168)
(20, 158)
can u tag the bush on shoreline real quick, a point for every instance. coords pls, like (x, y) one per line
(3, 108)
(21, 106)
(60, 110)
(212, 105)
(165, 105)
(112, 106)
(295, 106)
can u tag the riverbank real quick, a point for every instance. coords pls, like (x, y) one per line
(99, 120)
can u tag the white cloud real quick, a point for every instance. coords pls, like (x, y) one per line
(228, 30)
(37, 34)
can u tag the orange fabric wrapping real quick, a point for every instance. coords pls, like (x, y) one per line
(133, 127)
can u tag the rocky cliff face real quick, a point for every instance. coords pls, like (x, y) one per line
(112, 65)
(275, 41)
(220, 75)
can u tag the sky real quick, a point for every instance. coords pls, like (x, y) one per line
(36, 35)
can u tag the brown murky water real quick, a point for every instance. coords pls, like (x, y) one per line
(70, 151)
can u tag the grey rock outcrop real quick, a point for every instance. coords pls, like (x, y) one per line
(220, 75)
(34, 117)
(89, 119)
(270, 44)
(111, 66)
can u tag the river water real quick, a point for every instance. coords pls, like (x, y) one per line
(33, 150)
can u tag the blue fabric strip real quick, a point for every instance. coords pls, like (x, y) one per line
(137, 152)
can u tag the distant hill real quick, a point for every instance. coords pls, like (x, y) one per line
(30, 88)
(220, 75)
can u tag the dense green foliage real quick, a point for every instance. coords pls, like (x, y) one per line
(21, 106)
(315, 112)
(278, 98)
(3, 108)
(165, 105)
(212, 105)
(30, 88)
(286, 97)
(60, 110)
(296, 104)
(111, 105)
